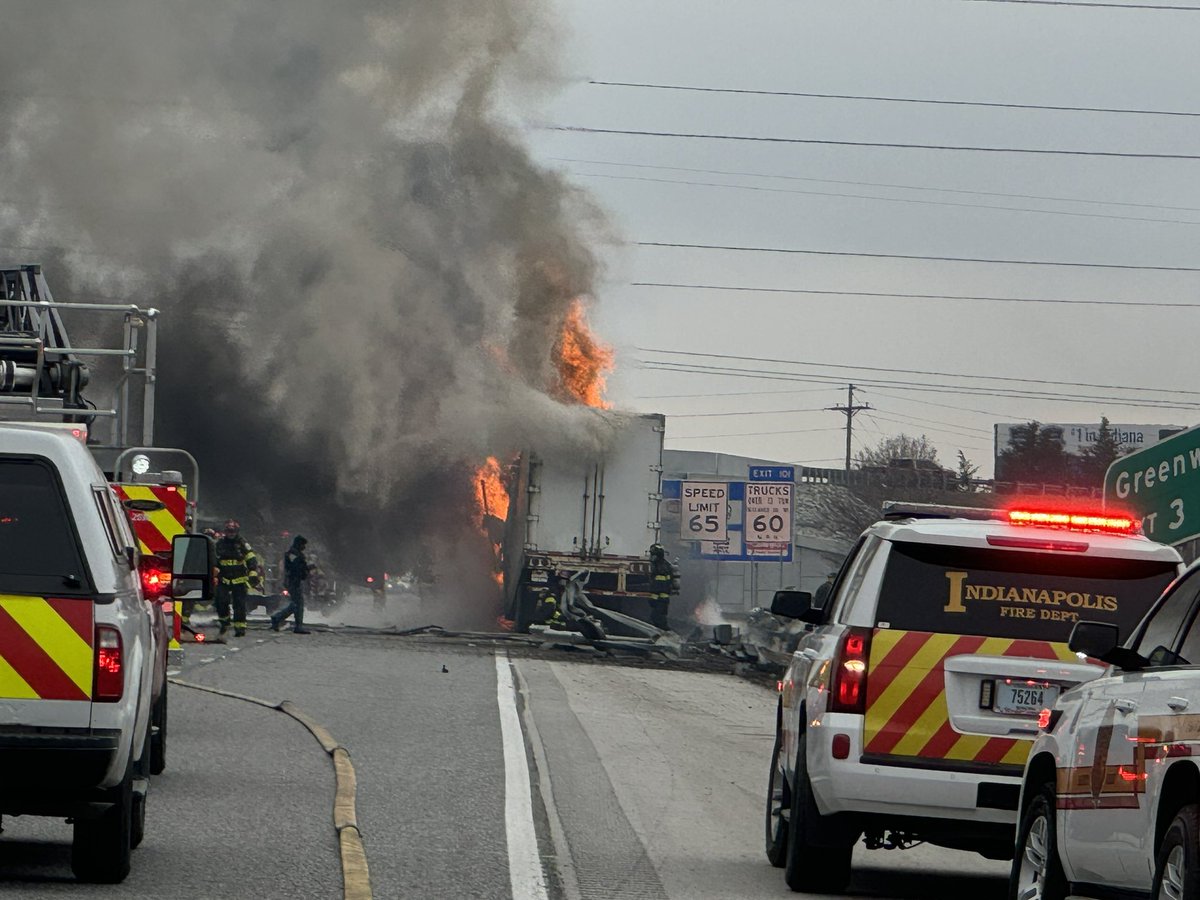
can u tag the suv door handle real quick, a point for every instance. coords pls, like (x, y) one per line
(810, 654)
(1125, 706)
(1178, 704)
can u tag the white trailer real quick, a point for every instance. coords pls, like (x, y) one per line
(598, 512)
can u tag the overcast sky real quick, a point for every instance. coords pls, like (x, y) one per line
(929, 49)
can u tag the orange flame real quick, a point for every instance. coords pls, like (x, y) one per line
(582, 361)
(492, 497)
(492, 500)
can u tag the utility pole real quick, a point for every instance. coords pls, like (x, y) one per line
(849, 409)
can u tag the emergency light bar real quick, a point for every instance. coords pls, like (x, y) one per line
(1112, 524)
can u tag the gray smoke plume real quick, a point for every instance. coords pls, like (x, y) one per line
(361, 271)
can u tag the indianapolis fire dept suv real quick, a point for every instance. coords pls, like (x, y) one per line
(1111, 797)
(908, 711)
(82, 651)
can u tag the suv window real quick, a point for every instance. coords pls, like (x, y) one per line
(1157, 639)
(39, 551)
(1013, 594)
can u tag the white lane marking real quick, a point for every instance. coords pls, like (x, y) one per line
(524, 861)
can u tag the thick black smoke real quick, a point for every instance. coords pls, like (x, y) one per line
(361, 272)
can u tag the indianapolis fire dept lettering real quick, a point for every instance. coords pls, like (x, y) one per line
(1026, 602)
(45, 648)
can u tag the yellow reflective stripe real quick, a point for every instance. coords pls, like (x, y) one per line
(12, 685)
(881, 710)
(142, 546)
(51, 632)
(1018, 754)
(1065, 653)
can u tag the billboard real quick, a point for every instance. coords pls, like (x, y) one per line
(1078, 437)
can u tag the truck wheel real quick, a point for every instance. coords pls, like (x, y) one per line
(101, 847)
(778, 800)
(158, 738)
(1177, 869)
(809, 867)
(1037, 872)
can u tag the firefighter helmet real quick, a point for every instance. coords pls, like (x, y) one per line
(657, 551)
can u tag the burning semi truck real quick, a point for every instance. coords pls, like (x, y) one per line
(571, 513)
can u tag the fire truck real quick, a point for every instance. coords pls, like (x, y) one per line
(46, 378)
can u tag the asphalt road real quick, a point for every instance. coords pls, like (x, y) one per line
(643, 783)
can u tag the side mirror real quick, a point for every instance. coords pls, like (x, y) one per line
(1101, 640)
(193, 559)
(796, 605)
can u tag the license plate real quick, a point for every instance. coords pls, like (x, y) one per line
(1018, 698)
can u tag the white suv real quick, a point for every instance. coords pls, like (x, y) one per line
(1111, 797)
(78, 652)
(908, 710)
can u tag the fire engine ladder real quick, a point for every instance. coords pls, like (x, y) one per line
(43, 375)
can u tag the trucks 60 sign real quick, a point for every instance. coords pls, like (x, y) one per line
(703, 507)
(768, 513)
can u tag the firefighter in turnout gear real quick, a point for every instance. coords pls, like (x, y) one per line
(662, 583)
(238, 572)
(295, 572)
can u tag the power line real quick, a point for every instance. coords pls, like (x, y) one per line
(757, 412)
(984, 431)
(903, 420)
(914, 200)
(971, 409)
(929, 372)
(693, 369)
(890, 99)
(884, 184)
(966, 259)
(697, 437)
(894, 145)
(888, 294)
(728, 394)
(1093, 5)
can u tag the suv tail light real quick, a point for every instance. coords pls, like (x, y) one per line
(848, 686)
(110, 666)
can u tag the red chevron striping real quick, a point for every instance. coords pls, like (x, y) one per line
(1035, 649)
(995, 750)
(33, 664)
(886, 670)
(76, 613)
(174, 501)
(922, 696)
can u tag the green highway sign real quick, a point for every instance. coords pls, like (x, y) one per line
(1162, 485)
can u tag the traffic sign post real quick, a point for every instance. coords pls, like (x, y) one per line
(703, 508)
(1162, 485)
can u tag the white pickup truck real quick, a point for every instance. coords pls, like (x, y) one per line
(79, 648)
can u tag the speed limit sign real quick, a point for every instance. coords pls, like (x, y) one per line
(768, 511)
(703, 506)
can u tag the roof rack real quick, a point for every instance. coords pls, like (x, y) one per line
(899, 509)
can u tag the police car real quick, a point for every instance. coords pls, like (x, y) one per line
(939, 613)
(1110, 802)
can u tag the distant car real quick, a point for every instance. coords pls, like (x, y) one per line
(1110, 799)
(82, 682)
(938, 614)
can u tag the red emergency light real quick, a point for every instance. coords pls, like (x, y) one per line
(1075, 521)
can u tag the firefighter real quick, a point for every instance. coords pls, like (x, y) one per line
(238, 571)
(662, 579)
(295, 572)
